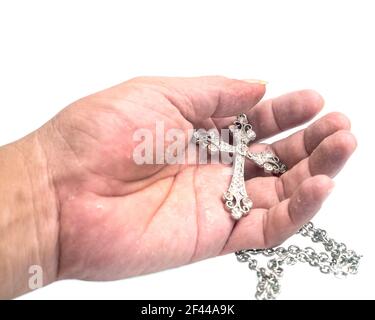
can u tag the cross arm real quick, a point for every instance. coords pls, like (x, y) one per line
(211, 140)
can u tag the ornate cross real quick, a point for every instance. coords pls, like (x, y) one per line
(236, 198)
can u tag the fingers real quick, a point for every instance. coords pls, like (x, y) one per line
(328, 159)
(268, 228)
(203, 97)
(273, 116)
(301, 144)
(286, 218)
(287, 111)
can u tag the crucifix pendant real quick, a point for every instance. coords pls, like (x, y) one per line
(236, 198)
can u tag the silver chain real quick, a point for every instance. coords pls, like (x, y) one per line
(336, 260)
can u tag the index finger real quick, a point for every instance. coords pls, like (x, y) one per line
(276, 115)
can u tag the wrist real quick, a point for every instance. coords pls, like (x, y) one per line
(29, 219)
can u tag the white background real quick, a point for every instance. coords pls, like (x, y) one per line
(54, 52)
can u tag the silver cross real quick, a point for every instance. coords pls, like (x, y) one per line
(236, 198)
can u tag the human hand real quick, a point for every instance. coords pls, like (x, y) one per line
(118, 219)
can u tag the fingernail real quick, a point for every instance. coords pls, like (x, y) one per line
(255, 81)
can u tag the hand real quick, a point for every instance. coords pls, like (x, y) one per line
(118, 219)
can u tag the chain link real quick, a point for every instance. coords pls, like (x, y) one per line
(336, 260)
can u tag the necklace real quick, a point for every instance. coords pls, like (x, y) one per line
(336, 259)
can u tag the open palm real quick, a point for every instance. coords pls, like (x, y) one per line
(120, 219)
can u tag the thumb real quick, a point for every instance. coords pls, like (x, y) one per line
(200, 98)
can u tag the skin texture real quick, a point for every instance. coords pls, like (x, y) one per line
(108, 218)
